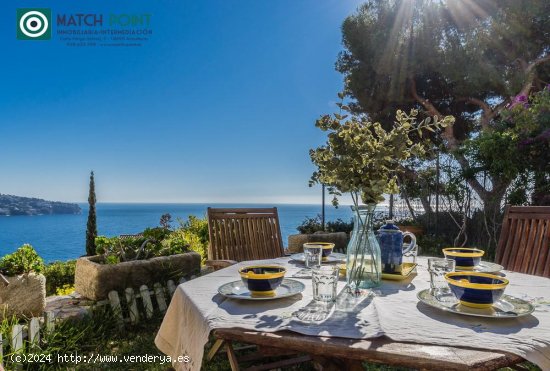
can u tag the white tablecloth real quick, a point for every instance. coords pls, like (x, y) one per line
(394, 311)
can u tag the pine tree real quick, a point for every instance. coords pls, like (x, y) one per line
(468, 61)
(91, 227)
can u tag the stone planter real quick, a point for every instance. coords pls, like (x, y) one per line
(24, 296)
(339, 239)
(94, 280)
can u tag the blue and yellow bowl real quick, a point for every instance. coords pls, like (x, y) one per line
(326, 247)
(465, 257)
(476, 290)
(262, 280)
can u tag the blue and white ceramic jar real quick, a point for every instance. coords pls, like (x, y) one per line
(390, 239)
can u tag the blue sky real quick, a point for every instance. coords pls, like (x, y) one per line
(219, 106)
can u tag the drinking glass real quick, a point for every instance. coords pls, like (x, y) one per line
(325, 280)
(312, 255)
(438, 267)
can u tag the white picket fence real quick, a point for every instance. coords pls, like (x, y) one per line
(30, 331)
(132, 313)
(125, 309)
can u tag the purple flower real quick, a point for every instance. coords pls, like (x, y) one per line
(519, 99)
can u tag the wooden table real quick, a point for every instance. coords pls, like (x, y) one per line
(349, 353)
(337, 343)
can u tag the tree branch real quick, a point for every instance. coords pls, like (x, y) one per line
(530, 71)
(448, 133)
(528, 84)
(472, 182)
(538, 61)
(424, 102)
(488, 112)
(500, 106)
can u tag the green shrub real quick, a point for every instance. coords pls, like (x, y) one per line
(339, 225)
(430, 245)
(103, 243)
(195, 232)
(155, 234)
(191, 240)
(58, 275)
(64, 290)
(191, 235)
(312, 225)
(24, 260)
(198, 227)
(407, 221)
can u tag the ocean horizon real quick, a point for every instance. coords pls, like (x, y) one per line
(62, 236)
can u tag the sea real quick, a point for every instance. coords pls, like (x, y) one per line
(63, 237)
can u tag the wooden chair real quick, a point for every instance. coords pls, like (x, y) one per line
(524, 244)
(239, 235)
(243, 234)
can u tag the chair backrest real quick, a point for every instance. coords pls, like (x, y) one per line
(524, 242)
(244, 234)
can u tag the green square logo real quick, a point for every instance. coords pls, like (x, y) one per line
(34, 24)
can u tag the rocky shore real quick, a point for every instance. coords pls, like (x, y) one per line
(15, 205)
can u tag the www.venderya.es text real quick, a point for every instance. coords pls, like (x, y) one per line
(96, 358)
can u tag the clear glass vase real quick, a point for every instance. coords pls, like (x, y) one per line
(363, 267)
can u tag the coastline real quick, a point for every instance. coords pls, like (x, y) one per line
(61, 237)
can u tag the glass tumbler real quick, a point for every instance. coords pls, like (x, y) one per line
(325, 281)
(438, 267)
(312, 255)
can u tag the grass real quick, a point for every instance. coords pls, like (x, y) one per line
(97, 334)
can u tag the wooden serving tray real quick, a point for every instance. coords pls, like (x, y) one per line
(408, 268)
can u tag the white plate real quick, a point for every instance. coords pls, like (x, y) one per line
(335, 257)
(506, 307)
(484, 267)
(237, 290)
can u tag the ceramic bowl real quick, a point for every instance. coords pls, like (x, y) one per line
(326, 246)
(465, 257)
(476, 290)
(262, 280)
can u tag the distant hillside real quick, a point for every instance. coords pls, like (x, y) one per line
(15, 205)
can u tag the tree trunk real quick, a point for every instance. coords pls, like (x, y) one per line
(492, 211)
(541, 191)
(426, 204)
(409, 206)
